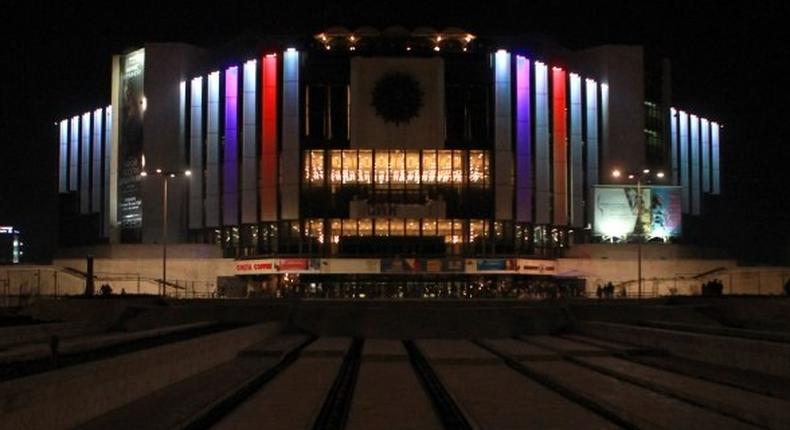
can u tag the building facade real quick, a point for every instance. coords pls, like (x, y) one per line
(418, 148)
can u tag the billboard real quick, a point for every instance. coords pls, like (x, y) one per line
(130, 147)
(616, 209)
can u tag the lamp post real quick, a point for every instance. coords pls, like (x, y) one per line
(642, 176)
(166, 176)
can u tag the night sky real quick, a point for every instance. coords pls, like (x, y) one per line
(730, 63)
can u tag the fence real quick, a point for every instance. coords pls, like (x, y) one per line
(21, 286)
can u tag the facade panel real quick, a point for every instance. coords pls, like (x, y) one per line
(503, 152)
(560, 145)
(230, 182)
(674, 149)
(576, 148)
(715, 160)
(268, 161)
(249, 120)
(705, 148)
(196, 153)
(524, 172)
(96, 183)
(542, 155)
(108, 194)
(212, 152)
(63, 156)
(591, 140)
(695, 166)
(685, 175)
(74, 153)
(85, 164)
(289, 158)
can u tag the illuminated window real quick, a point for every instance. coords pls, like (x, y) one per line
(336, 165)
(478, 229)
(413, 167)
(429, 227)
(396, 227)
(335, 230)
(365, 163)
(412, 227)
(366, 227)
(349, 227)
(382, 167)
(349, 167)
(478, 167)
(429, 166)
(316, 229)
(397, 167)
(444, 163)
(382, 227)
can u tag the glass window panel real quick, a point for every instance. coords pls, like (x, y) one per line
(413, 167)
(382, 227)
(478, 229)
(458, 167)
(429, 227)
(336, 162)
(349, 167)
(366, 227)
(397, 167)
(316, 229)
(429, 167)
(477, 167)
(365, 175)
(444, 163)
(382, 168)
(335, 230)
(317, 167)
(349, 227)
(396, 227)
(412, 227)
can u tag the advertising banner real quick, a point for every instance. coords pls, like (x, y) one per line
(130, 147)
(537, 267)
(617, 210)
(495, 265)
(422, 265)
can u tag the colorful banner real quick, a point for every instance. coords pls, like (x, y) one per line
(421, 265)
(617, 209)
(495, 264)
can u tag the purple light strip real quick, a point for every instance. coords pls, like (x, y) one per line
(231, 168)
(523, 141)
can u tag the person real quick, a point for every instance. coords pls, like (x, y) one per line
(106, 290)
(599, 292)
(787, 287)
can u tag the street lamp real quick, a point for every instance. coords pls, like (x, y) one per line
(641, 176)
(166, 176)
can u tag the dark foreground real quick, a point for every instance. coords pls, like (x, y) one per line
(145, 363)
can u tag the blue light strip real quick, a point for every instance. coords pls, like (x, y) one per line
(85, 164)
(705, 146)
(591, 139)
(289, 158)
(715, 160)
(503, 152)
(576, 161)
(542, 147)
(196, 153)
(63, 160)
(685, 175)
(212, 152)
(696, 201)
(673, 130)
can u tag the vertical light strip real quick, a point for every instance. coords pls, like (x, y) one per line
(715, 160)
(695, 166)
(683, 126)
(96, 195)
(196, 153)
(591, 139)
(560, 134)
(577, 174)
(107, 214)
(268, 166)
(673, 130)
(63, 161)
(74, 153)
(503, 152)
(542, 155)
(604, 142)
(705, 147)
(114, 141)
(85, 164)
(523, 141)
(212, 152)
(290, 139)
(249, 121)
(230, 183)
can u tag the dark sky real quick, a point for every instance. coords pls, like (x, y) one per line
(730, 62)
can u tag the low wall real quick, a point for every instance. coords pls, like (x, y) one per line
(753, 355)
(70, 396)
(42, 332)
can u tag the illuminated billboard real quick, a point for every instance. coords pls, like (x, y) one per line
(617, 208)
(132, 109)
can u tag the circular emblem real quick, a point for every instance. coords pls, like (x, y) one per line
(397, 98)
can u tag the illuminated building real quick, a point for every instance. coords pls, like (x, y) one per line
(378, 144)
(11, 245)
